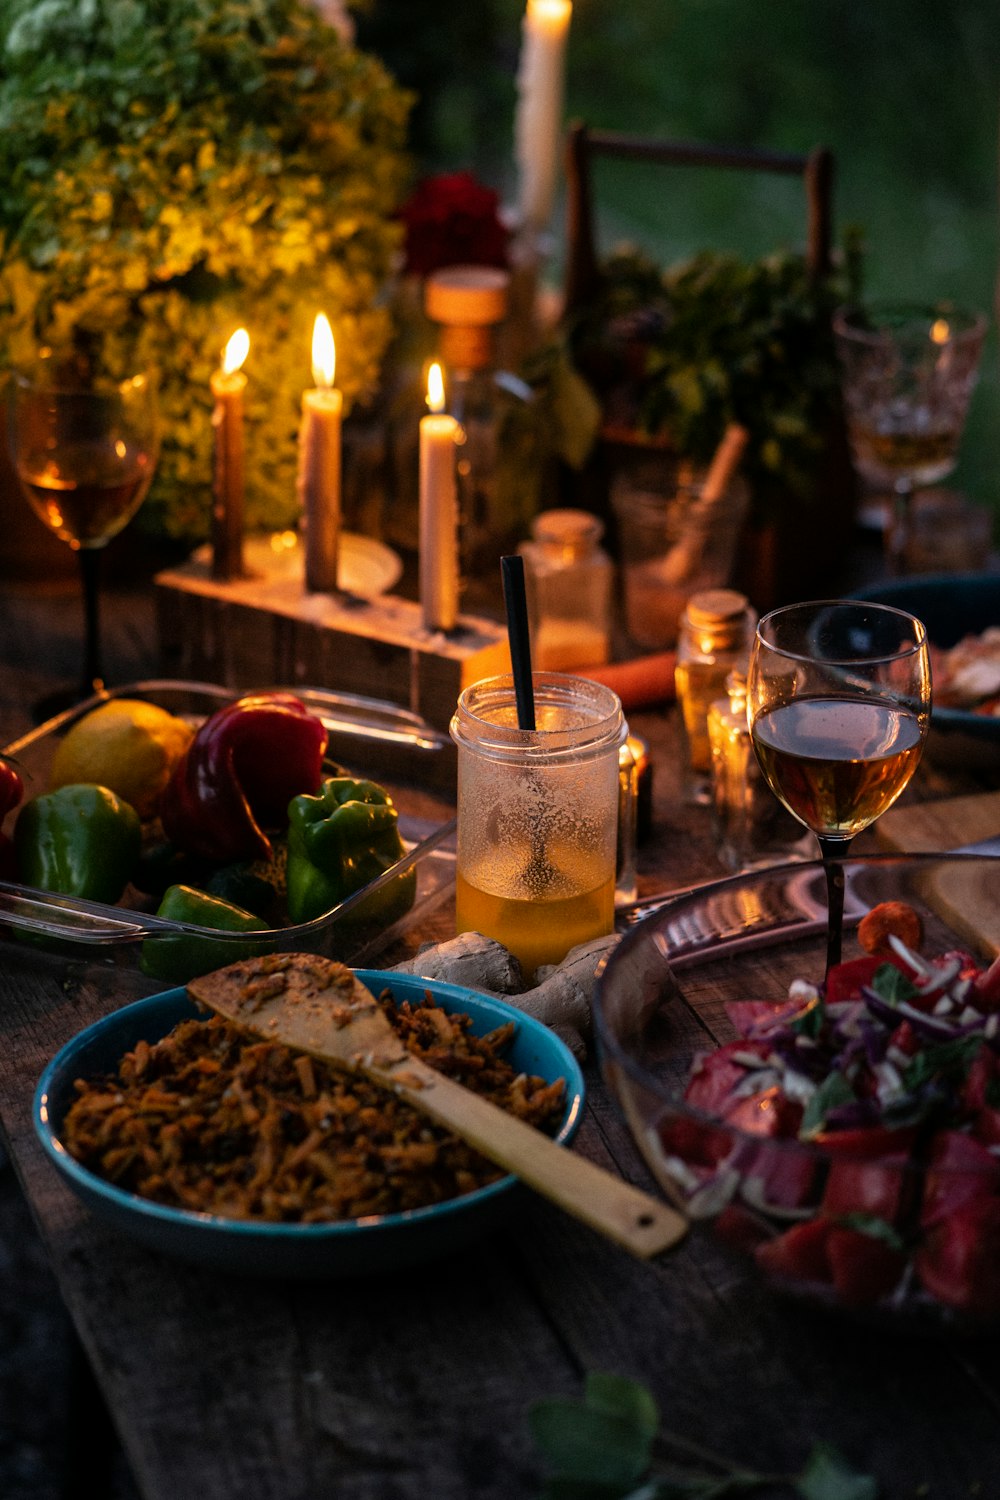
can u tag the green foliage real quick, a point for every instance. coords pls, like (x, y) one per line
(718, 339)
(174, 168)
(610, 1446)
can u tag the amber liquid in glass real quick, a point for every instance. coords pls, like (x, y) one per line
(537, 931)
(837, 763)
(925, 457)
(88, 492)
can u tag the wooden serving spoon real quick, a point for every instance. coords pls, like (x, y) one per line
(320, 1007)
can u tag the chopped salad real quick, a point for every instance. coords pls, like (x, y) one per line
(850, 1136)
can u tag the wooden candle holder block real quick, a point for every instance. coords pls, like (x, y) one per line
(266, 630)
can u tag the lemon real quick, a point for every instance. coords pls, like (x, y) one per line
(126, 745)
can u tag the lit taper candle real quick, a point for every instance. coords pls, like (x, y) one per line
(228, 385)
(438, 510)
(320, 464)
(538, 124)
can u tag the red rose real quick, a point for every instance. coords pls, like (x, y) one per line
(451, 220)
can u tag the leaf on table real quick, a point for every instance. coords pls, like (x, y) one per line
(828, 1476)
(624, 1398)
(583, 1443)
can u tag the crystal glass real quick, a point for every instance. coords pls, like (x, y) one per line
(838, 703)
(84, 451)
(908, 372)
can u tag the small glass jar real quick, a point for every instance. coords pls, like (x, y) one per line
(569, 578)
(751, 826)
(538, 815)
(716, 634)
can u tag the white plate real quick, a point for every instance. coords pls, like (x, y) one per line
(365, 567)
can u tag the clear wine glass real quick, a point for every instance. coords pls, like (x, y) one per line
(838, 702)
(84, 451)
(908, 373)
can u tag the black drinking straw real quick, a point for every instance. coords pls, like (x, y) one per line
(516, 604)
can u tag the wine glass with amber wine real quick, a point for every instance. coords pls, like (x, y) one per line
(907, 375)
(84, 450)
(838, 702)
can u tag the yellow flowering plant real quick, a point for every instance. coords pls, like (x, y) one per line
(176, 168)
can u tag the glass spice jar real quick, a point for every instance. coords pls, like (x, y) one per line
(568, 577)
(716, 633)
(751, 826)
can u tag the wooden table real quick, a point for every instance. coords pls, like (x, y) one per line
(418, 1385)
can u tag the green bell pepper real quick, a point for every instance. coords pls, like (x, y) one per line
(184, 955)
(338, 842)
(80, 840)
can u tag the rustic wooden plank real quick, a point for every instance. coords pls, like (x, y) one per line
(419, 1384)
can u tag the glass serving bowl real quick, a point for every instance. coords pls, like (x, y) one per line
(900, 1224)
(369, 736)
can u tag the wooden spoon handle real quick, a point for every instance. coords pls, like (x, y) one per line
(630, 1217)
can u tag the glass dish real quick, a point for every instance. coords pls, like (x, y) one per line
(665, 1000)
(376, 737)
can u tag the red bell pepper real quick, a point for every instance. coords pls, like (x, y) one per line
(238, 775)
(11, 792)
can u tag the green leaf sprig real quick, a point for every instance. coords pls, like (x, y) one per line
(680, 353)
(610, 1446)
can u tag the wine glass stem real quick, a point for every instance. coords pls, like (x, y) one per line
(900, 525)
(90, 563)
(834, 871)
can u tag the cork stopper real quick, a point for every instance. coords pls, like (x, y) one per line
(567, 527)
(468, 301)
(715, 607)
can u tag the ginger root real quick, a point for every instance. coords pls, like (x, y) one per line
(561, 999)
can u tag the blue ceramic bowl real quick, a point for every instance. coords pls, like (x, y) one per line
(951, 605)
(356, 1246)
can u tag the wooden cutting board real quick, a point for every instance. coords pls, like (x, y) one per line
(967, 900)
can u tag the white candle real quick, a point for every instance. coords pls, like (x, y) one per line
(538, 125)
(438, 510)
(228, 384)
(319, 463)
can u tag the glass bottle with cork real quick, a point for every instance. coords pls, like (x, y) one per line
(716, 633)
(469, 302)
(569, 580)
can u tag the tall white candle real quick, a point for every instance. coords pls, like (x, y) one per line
(438, 510)
(318, 485)
(538, 124)
(228, 384)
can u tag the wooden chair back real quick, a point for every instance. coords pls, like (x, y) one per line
(583, 273)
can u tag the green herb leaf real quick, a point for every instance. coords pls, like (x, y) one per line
(833, 1091)
(875, 1228)
(892, 985)
(828, 1476)
(943, 1060)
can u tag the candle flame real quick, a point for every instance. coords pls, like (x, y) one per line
(236, 352)
(435, 388)
(940, 331)
(324, 352)
(553, 14)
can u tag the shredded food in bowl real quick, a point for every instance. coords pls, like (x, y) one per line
(214, 1121)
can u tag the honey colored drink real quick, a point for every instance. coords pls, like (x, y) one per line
(837, 763)
(537, 815)
(536, 931)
